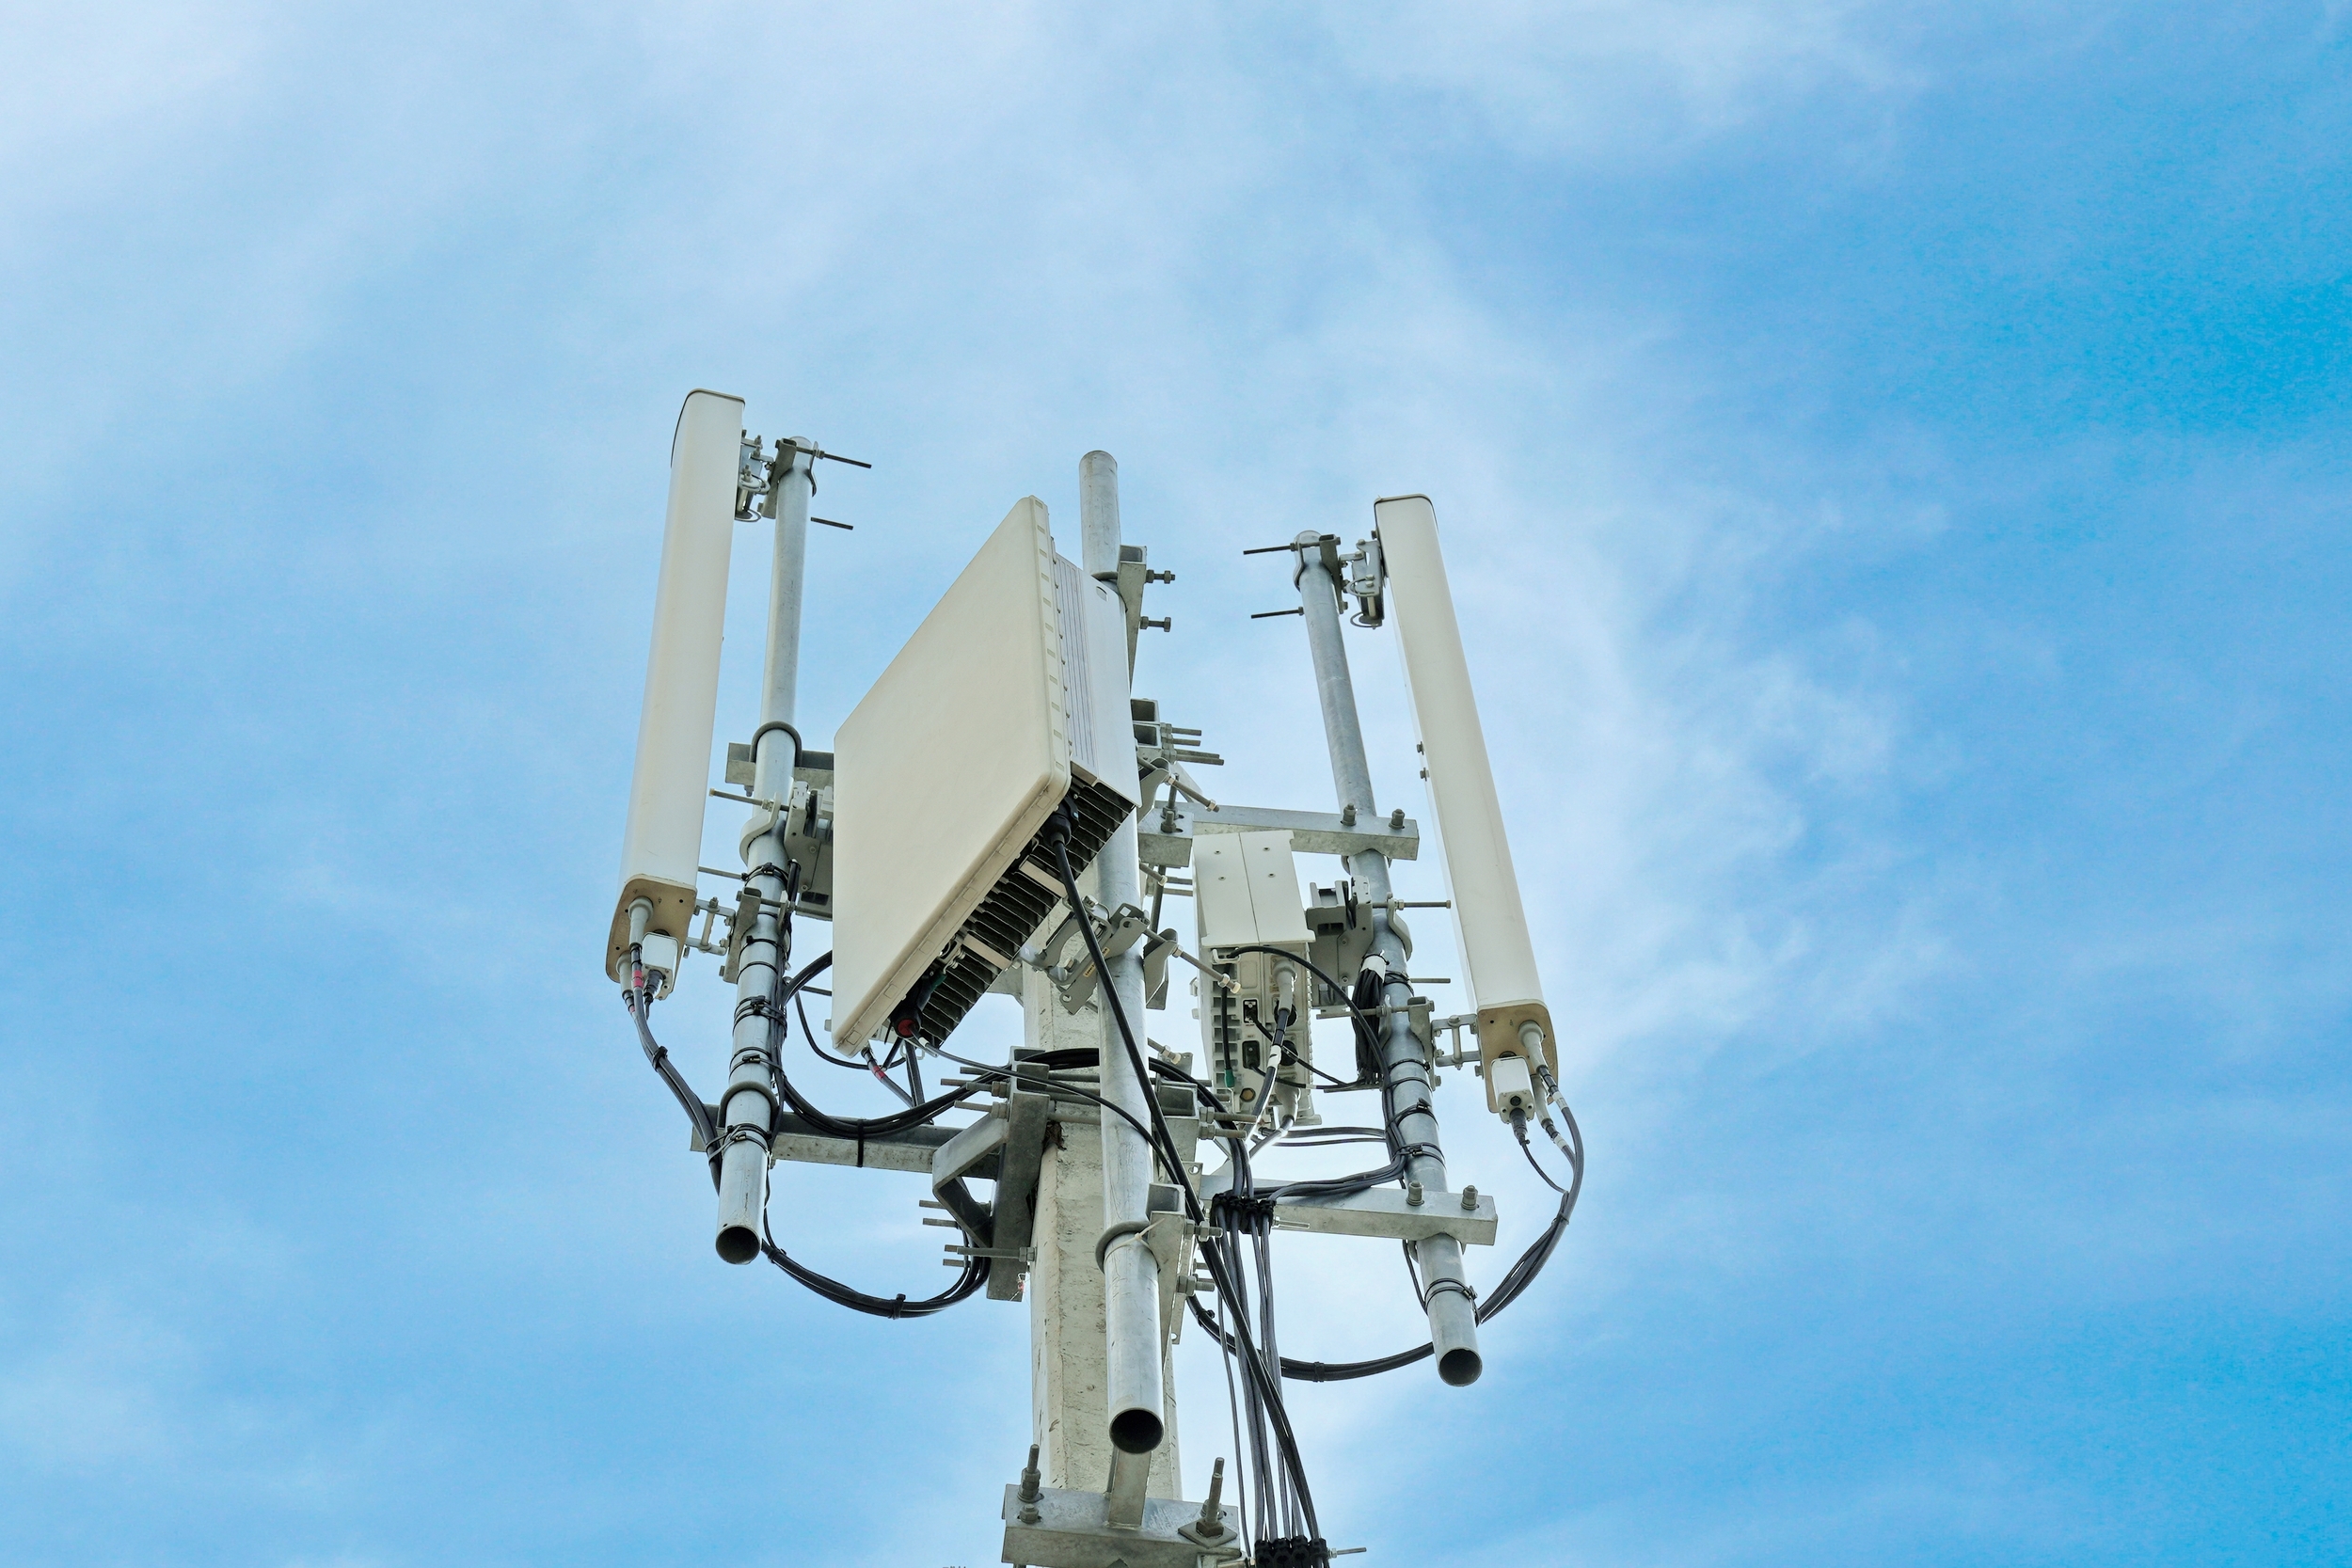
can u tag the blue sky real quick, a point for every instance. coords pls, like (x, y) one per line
(1894, 464)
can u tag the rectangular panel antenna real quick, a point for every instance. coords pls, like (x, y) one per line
(1009, 700)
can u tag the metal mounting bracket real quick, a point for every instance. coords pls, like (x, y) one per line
(1417, 1012)
(1070, 967)
(911, 1150)
(1134, 575)
(1386, 1212)
(1165, 838)
(1027, 1113)
(958, 1158)
(1367, 578)
(739, 927)
(1467, 1216)
(1073, 1529)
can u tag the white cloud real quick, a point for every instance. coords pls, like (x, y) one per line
(1609, 82)
(86, 85)
(972, 246)
(93, 1396)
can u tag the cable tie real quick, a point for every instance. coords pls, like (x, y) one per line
(1244, 1207)
(740, 1132)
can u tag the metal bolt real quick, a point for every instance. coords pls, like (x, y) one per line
(1396, 819)
(1212, 1516)
(1348, 815)
(1030, 1481)
(1412, 1194)
(1470, 1200)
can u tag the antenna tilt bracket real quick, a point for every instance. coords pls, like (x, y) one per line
(758, 475)
(1065, 961)
(756, 479)
(1367, 580)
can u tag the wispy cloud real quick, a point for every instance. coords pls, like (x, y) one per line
(1919, 831)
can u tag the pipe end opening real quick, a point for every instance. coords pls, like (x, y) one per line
(1136, 1430)
(1461, 1367)
(738, 1243)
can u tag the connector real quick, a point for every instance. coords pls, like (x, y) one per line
(1509, 1086)
(660, 959)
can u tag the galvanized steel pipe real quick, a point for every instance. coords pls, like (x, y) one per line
(1453, 1316)
(747, 1108)
(1130, 1274)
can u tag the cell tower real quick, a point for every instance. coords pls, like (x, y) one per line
(1001, 813)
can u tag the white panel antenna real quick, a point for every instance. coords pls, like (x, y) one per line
(1490, 923)
(1009, 700)
(667, 792)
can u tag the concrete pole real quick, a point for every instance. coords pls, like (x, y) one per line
(1453, 1317)
(1069, 1401)
(1135, 1374)
(747, 1106)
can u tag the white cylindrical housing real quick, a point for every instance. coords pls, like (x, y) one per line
(1497, 957)
(663, 841)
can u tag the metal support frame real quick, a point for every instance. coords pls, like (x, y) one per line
(1170, 831)
(1453, 1317)
(1016, 1178)
(910, 1151)
(1389, 1212)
